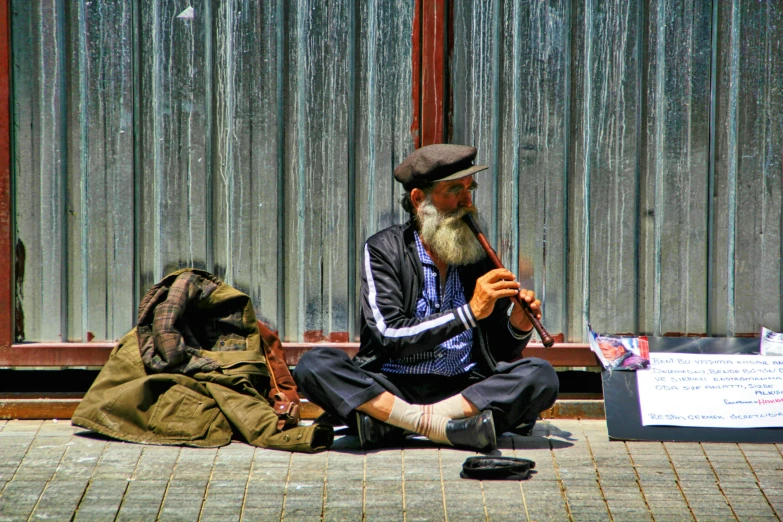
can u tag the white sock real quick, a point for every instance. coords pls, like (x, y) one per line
(450, 408)
(412, 418)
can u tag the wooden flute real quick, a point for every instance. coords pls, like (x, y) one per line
(546, 339)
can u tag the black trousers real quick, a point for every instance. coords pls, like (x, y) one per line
(516, 392)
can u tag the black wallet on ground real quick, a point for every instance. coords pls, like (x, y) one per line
(496, 468)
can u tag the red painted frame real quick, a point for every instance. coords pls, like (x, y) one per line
(431, 45)
(431, 28)
(96, 354)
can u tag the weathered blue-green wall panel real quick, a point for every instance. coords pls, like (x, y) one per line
(634, 151)
(100, 178)
(40, 165)
(674, 171)
(318, 105)
(382, 121)
(245, 142)
(640, 144)
(174, 130)
(749, 129)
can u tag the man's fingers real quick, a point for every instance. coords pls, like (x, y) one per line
(498, 285)
(497, 275)
(527, 295)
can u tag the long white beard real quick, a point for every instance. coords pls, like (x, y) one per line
(447, 235)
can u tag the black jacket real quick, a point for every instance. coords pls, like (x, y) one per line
(392, 281)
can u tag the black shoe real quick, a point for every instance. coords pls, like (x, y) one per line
(376, 434)
(476, 433)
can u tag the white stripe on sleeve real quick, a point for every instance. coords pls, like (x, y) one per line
(376, 313)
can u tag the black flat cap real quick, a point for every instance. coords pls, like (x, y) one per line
(441, 162)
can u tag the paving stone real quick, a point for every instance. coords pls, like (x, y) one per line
(101, 500)
(383, 512)
(342, 515)
(254, 514)
(21, 428)
(591, 515)
(224, 500)
(142, 500)
(303, 509)
(19, 498)
(239, 480)
(183, 499)
(59, 499)
(344, 494)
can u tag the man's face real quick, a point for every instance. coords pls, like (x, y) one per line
(610, 350)
(448, 196)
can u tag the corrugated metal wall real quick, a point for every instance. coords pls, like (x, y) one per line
(635, 151)
(253, 139)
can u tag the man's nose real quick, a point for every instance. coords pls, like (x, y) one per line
(467, 199)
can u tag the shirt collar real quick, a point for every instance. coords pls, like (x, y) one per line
(423, 254)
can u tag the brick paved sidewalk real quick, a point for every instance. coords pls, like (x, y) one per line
(50, 471)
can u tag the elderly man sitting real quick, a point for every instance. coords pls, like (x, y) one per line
(440, 339)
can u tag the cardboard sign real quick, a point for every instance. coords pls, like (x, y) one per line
(708, 390)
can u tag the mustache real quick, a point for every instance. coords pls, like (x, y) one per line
(460, 212)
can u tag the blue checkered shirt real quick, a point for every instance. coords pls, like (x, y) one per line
(453, 356)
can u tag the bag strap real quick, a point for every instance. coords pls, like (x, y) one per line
(283, 393)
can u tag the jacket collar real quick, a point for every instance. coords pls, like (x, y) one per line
(409, 238)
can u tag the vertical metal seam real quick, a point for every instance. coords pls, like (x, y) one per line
(209, 98)
(352, 114)
(157, 131)
(9, 335)
(420, 78)
(12, 233)
(301, 175)
(84, 213)
(372, 222)
(640, 62)
(226, 166)
(732, 162)
(280, 94)
(62, 68)
(660, 114)
(711, 167)
(137, 151)
(495, 123)
(569, 28)
(587, 152)
(516, 102)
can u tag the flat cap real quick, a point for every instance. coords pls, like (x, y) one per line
(441, 162)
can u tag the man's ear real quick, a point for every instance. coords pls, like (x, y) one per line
(417, 196)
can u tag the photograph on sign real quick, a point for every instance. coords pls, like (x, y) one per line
(771, 342)
(620, 353)
(708, 390)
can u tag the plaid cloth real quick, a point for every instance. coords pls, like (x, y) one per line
(173, 328)
(453, 356)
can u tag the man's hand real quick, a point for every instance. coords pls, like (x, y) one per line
(519, 318)
(490, 287)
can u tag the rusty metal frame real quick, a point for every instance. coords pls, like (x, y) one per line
(70, 355)
(431, 43)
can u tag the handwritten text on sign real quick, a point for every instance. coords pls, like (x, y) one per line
(717, 391)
